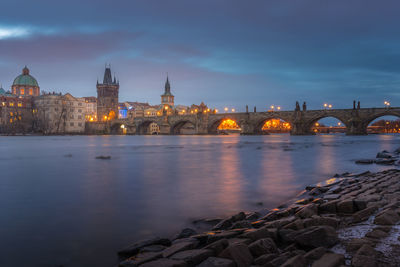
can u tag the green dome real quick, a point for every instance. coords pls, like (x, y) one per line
(25, 79)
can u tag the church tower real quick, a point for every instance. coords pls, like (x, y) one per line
(167, 99)
(107, 97)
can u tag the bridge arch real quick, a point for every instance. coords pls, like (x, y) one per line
(213, 126)
(371, 118)
(312, 122)
(258, 128)
(184, 127)
(145, 128)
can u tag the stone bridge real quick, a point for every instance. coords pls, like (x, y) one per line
(355, 120)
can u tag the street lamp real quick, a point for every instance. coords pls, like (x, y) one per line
(233, 110)
(278, 108)
(325, 105)
(226, 109)
(330, 106)
(387, 103)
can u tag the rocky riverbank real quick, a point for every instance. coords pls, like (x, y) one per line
(352, 220)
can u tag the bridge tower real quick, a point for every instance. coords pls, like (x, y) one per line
(167, 99)
(107, 97)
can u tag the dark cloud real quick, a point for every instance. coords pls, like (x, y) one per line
(222, 52)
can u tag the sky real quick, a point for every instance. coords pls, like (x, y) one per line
(223, 52)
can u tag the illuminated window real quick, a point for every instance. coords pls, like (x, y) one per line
(11, 104)
(19, 118)
(11, 120)
(30, 91)
(11, 114)
(22, 91)
(3, 103)
(19, 104)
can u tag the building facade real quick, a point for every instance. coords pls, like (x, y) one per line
(91, 108)
(107, 97)
(59, 114)
(25, 85)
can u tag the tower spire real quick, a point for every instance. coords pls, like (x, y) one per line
(167, 86)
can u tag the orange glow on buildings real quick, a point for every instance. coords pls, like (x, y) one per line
(228, 124)
(276, 125)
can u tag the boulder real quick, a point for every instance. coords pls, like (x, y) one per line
(262, 246)
(364, 257)
(164, 263)
(376, 233)
(296, 261)
(345, 206)
(364, 161)
(356, 243)
(241, 224)
(239, 253)
(152, 248)
(222, 225)
(192, 257)
(329, 260)
(264, 259)
(364, 214)
(262, 232)
(307, 211)
(140, 259)
(296, 225)
(388, 217)
(218, 246)
(178, 247)
(134, 248)
(317, 236)
(383, 155)
(328, 207)
(217, 262)
(281, 259)
(315, 254)
(315, 221)
(187, 232)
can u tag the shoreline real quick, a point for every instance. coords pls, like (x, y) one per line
(350, 220)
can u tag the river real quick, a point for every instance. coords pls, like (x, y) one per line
(62, 206)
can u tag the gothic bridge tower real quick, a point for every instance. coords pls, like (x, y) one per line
(167, 99)
(107, 97)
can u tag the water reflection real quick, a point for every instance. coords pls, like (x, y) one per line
(77, 211)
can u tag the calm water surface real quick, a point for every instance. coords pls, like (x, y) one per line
(61, 206)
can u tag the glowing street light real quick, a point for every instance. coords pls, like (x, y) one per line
(216, 111)
(339, 123)
(233, 110)
(278, 108)
(226, 109)
(325, 105)
(387, 103)
(329, 106)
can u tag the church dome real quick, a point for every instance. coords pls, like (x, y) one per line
(25, 79)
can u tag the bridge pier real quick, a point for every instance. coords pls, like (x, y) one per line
(301, 128)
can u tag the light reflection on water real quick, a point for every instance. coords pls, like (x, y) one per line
(78, 211)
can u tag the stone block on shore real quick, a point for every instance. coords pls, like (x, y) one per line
(317, 236)
(388, 217)
(192, 257)
(239, 253)
(178, 247)
(217, 262)
(296, 261)
(329, 260)
(263, 246)
(134, 248)
(165, 263)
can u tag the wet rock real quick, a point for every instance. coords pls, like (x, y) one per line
(192, 257)
(262, 246)
(222, 225)
(345, 206)
(239, 240)
(281, 222)
(262, 232)
(376, 233)
(329, 260)
(364, 257)
(258, 224)
(187, 232)
(225, 234)
(103, 157)
(328, 207)
(264, 259)
(178, 247)
(385, 161)
(296, 225)
(315, 221)
(331, 196)
(317, 236)
(383, 155)
(140, 259)
(282, 258)
(359, 204)
(356, 243)
(241, 224)
(296, 261)
(364, 214)
(238, 217)
(315, 254)
(217, 262)
(239, 253)
(388, 217)
(164, 263)
(364, 161)
(287, 236)
(152, 248)
(307, 211)
(218, 246)
(253, 216)
(134, 248)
